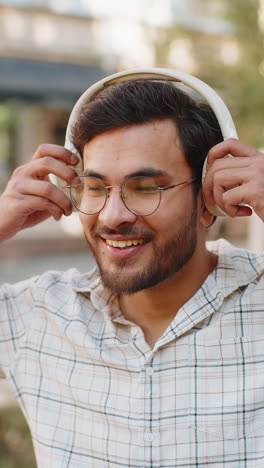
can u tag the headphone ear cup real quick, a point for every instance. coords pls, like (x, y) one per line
(213, 209)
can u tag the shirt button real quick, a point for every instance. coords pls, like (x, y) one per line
(149, 371)
(148, 437)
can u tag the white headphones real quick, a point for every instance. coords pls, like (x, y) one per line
(206, 92)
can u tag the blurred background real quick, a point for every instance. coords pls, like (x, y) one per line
(51, 51)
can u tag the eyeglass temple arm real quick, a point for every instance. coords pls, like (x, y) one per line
(180, 183)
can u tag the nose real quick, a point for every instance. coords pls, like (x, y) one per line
(115, 212)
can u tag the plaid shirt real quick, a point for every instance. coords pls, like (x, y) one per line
(96, 395)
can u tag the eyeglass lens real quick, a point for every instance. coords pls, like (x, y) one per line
(141, 195)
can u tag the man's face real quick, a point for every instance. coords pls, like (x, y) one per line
(164, 241)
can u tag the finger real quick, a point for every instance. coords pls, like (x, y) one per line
(231, 207)
(231, 146)
(238, 211)
(33, 209)
(38, 217)
(46, 190)
(41, 168)
(236, 172)
(249, 194)
(57, 152)
(218, 181)
(232, 165)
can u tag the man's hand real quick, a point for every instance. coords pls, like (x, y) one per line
(30, 197)
(230, 182)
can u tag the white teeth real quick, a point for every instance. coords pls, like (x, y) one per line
(124, 243)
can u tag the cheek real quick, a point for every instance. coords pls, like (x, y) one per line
(161, 223)
(88, 222)
(173, 213)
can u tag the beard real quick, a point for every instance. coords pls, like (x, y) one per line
(168, 259)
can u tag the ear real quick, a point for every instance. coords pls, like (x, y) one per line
(206, 218)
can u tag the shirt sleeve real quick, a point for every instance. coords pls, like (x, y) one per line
(16, 310)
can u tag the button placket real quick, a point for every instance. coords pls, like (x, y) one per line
(148, 437)
(149, 371)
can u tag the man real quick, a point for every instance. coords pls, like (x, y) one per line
(157, 360)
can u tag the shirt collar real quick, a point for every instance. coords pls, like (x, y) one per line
(90, 285)
(236, 267)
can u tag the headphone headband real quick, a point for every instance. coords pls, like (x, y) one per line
(206, 92)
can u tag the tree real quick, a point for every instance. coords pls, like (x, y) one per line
(232, 61)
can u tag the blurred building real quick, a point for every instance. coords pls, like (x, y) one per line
(46, 60)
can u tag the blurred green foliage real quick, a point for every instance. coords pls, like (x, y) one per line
(16, 449)
(243, 81)
(239, 83)
(7, 140)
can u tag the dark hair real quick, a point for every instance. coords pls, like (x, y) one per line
(140, 101)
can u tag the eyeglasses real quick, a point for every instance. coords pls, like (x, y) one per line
(141, 195)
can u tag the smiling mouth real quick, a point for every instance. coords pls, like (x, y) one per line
(124, 243)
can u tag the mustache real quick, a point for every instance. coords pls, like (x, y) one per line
(124, 231)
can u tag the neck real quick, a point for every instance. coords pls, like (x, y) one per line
(153, 309)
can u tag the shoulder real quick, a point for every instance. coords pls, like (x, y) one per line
(238, 268)
(54, 282)
(236, 258)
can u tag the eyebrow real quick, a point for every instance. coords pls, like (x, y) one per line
(149, 172)
(144, 172)
(91, 173)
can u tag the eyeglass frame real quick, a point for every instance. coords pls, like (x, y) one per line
(108, 187)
